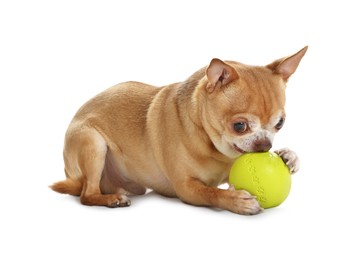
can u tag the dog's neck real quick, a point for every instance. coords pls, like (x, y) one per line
(189, 93)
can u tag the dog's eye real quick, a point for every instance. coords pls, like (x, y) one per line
(280, 124)
(240, 127)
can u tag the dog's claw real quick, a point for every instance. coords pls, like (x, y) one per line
(125, 204)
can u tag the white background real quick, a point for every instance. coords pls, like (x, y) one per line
(56, 55)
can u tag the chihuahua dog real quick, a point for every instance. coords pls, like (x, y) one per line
(179, 140)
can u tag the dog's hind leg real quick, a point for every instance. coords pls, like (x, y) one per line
(85, 153)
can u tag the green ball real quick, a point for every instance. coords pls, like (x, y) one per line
(264, 175)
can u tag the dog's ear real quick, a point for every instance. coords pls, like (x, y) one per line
(219, 74)
(287, 66)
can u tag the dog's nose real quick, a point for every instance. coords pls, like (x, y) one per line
(262, 145)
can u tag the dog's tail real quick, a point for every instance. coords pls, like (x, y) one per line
(68, 186)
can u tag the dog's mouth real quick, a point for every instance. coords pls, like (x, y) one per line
(239, 150)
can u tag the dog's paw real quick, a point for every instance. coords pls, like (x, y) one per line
(290, 158)
(243, 202)
(120, 201)
(124, 201)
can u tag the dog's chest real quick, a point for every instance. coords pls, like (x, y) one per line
(214, 176)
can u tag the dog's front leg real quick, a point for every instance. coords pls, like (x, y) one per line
(194, 191)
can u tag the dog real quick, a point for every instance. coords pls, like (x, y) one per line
(179, 140)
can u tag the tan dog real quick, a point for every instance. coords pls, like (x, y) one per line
(178, 140)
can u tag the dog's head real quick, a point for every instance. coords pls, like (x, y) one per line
(244, 105)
